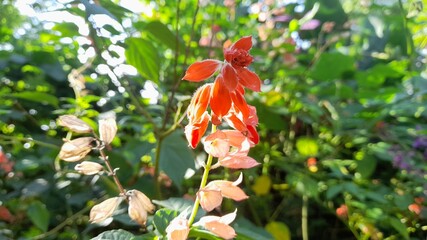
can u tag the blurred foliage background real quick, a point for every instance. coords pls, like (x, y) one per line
(342, 112)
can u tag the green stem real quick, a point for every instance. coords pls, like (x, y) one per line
(157, 168)
(304, 217)
(26, 139)
(202, 184)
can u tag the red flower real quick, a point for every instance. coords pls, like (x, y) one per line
(234, 70)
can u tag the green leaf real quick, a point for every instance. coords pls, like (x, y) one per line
(162, 33)
(333, 191)
(202, 234)
(141, 54)
(39, 215)
(341, 64)
(175, 157)
(400, 227)
(162, 218)
(40, 97)
(176, 204)
(307, 146)
(246, 230)
(366, 166)
(119, 234)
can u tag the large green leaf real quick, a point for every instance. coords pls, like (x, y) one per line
(175, 157)
(141, 54)
(39, 97)
(39, 215)
(162, 218)
(400, 227)
(162, 33)
(119, 234)
(331, 66)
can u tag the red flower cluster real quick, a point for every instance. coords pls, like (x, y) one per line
(226, 95)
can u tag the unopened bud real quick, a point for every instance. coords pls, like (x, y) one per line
(139, 205)
(74, 124)
(73, 151)
(88, 168)
(107, 130)
(104, 210)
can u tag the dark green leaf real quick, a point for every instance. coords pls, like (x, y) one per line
(175, 157)
(39, 215)
(246, 230)
(366, 166)
(119, 234)
(39, 97)
(141, 54)
(162, 218)
(400, 227)
(339, 62)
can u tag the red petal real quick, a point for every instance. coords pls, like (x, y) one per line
(230, 77)
(253, 134)
(199, 103)
(249, 79)
(236, 123)
(200, 71)
(220, 99)
(245, 43)
(240, 103)
(195, 132)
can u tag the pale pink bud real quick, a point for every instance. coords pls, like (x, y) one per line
(219, 225)
(88, 168)
(178, 229)
(107, 130)
(74, 124)
(104, 210)
(210, 198)
(75, 150)
(229, 189)
(238, 161)
(139, 205)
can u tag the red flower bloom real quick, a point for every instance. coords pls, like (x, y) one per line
(234, 69)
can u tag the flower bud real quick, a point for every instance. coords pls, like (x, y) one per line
(107, 130)
(104, 210)
(88, 168)
(74, 124)
(139, 205)
(75, 150)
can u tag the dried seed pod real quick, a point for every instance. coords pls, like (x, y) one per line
(75, 150)
(107, 130)
(104, 210)
(139, 205)
(88, 168)
(74, 124)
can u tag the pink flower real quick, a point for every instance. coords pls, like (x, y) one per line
(178, 229)
(211, 195)
(219, 225)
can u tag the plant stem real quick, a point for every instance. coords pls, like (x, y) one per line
(157, 168)
(202, 184)
(112, 172)
(304, 217)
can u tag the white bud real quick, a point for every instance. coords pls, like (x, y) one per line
(88, 168)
